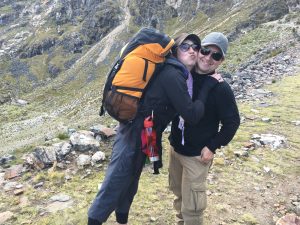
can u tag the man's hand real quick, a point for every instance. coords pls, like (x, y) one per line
(218, 77)
(206, 155)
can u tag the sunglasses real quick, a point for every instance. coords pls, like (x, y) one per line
(186, 46)
(217, 56)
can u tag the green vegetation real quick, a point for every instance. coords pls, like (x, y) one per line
(6, 9)
(248, 45)
(62, 136)
(180, 25)
(38, 66)
(153, 203)
(249, 219)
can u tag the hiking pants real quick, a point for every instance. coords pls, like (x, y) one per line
(187, 180)
(122, 176)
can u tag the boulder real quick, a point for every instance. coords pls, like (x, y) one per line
(289, 219)
(84, 141)
(42, 157)
(83, 160)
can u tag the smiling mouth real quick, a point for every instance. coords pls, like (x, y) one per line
(205, 62)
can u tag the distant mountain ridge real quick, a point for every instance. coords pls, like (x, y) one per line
(56, 33)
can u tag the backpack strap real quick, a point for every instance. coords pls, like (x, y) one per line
(128, 88)
(108, 84)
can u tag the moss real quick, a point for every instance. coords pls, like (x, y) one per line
(26, 176)
(62, 136)
(56, 177)
(39, 177)
(221, 208)
(219, 161)
(249, 219)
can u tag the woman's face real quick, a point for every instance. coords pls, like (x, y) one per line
(187, 53)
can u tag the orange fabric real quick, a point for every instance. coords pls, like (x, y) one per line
(131, 75)
(132, 70)
(151, 52)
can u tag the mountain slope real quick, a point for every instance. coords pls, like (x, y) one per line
(71, 98)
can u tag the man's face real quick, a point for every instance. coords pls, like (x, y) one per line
(187, 53)
(209, 59)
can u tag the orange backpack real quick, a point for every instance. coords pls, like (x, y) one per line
(140, 61)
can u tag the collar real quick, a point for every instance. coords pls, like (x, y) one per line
(198, 76)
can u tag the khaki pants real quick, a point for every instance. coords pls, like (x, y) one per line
(187, 180)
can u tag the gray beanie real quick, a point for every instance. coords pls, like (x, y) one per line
(218, 39)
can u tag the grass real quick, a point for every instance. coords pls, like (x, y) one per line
(6, 9)
(62, 136)
(248, 45)
(153, 202)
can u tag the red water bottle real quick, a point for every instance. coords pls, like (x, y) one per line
(149, 140)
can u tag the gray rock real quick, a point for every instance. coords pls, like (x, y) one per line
(59, 206)
(98, 157)
(6, 158)
(266, 169)
(9, 186)
(42, 157)
(13, 172)
(19, 102)
(60, 198)
(104, 131)
(84, 141)
(289, 219)
(83, 160)
(62, 149)
(59, 202)
(5, 216)
(296, 122)
(53, 71)
(266, 119)
(40, 184)
(272, 140)
(241, 153)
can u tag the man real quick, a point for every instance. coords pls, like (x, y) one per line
(166, 96)
(192, 151)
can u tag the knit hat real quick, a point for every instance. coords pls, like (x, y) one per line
(218, 39)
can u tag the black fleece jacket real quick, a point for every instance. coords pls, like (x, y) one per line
(167, 96)
(216, 128)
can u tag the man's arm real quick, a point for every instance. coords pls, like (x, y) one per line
(228, 129)
(229, 117)
(223, 137)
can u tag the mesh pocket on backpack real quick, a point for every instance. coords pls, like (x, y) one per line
(120, 106)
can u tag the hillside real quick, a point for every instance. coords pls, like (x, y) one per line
(54, 56)
(62, 84)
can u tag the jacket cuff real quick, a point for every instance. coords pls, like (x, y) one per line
(212, 147)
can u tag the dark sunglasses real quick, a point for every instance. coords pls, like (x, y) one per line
(186, 46)
(217, 56)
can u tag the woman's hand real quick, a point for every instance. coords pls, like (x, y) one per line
(218, 77)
